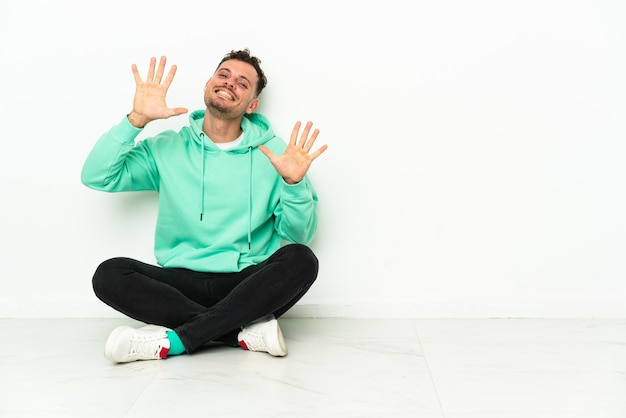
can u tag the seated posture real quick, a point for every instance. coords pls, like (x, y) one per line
(236, 213)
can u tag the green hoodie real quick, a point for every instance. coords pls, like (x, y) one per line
(219, 211)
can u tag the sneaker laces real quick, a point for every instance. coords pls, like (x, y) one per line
(253, 339)
(148, 346)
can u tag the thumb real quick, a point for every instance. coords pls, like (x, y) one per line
(179, 110)
(265, 150)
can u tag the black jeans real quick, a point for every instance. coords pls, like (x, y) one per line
(206, 307)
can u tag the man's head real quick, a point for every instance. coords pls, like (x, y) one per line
(235, 86)
(244, 55)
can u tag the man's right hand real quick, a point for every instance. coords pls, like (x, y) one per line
(149, 102)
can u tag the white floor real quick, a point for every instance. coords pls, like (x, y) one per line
(504, 368)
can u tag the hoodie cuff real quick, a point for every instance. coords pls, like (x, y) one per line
(298, 190)
(126, 130)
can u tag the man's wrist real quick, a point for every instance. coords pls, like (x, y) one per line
(136, 120)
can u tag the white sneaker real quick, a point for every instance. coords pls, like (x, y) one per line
(127, 344)
(264, 334)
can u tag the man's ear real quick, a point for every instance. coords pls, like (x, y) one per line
(252, 106)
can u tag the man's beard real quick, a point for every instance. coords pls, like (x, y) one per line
(220, 111)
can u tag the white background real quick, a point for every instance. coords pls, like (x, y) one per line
(476, 148)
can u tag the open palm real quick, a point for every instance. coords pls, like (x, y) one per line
(149, 101)
(294, 163)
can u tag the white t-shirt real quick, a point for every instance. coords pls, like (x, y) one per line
(228, 145)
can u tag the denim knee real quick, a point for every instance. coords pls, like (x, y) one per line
(104, 272)
(306, 261)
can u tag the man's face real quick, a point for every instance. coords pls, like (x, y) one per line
(230, 93)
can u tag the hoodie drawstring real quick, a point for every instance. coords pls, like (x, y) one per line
(249, 190)
(202, 178)
(250, 200)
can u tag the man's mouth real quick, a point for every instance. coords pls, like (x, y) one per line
(224, 94)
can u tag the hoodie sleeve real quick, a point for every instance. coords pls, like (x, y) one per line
(116, 164)
(296, 214)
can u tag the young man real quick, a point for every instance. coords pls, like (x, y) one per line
(230, 192)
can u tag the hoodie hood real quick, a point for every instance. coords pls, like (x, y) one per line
(256, 131)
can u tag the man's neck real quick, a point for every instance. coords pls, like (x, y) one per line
(221, 130)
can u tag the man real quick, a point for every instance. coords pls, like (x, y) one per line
(231, 193)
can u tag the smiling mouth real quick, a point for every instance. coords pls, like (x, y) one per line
(224, 94)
